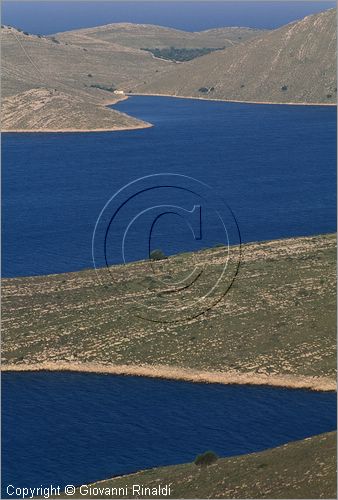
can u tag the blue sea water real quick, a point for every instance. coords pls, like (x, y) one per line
(63, 428)
(274, 166)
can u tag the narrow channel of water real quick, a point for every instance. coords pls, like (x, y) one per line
(71, 428)
(275, 166)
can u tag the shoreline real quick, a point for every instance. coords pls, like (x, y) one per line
(322, 384)
(75, 130)
(109, 103)
(245, 245)
(274, 103)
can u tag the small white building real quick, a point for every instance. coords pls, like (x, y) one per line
(119, 92)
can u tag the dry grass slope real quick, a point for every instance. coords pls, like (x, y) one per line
(44, 110)
(64, 82)
(37, 71)
(52, 83)
(302, 469)
(277, 321)
(138, 36)
(296, 63)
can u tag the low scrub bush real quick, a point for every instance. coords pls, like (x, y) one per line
(103, 87)
(206, 459)
(180, 54)
(157, 255)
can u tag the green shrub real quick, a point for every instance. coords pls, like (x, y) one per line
(103, 87)
(206, 458)
(284, 88)
(180, 54)
(157, 255)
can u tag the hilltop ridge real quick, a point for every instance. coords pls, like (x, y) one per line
(65, 81)
(295, 63)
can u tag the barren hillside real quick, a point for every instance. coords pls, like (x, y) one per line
(65, 81)
(151, 36)
(83, 79)
(296, 63)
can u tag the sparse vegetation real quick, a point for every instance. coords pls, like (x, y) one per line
(181, 54)
(276, 271)
(206, 459)
(305, 469)
(55, 40)
(102, 87)
(206, 90)
(157, 255)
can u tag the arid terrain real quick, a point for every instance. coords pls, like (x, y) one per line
(273, 319)
(65, 81)
(276, 324)
(293, 64)
(302, 469)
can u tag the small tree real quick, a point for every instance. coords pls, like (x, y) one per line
(205, 459)
(157, 255)
(284, 88)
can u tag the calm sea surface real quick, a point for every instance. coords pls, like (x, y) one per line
(274, 166)
(63, 428)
